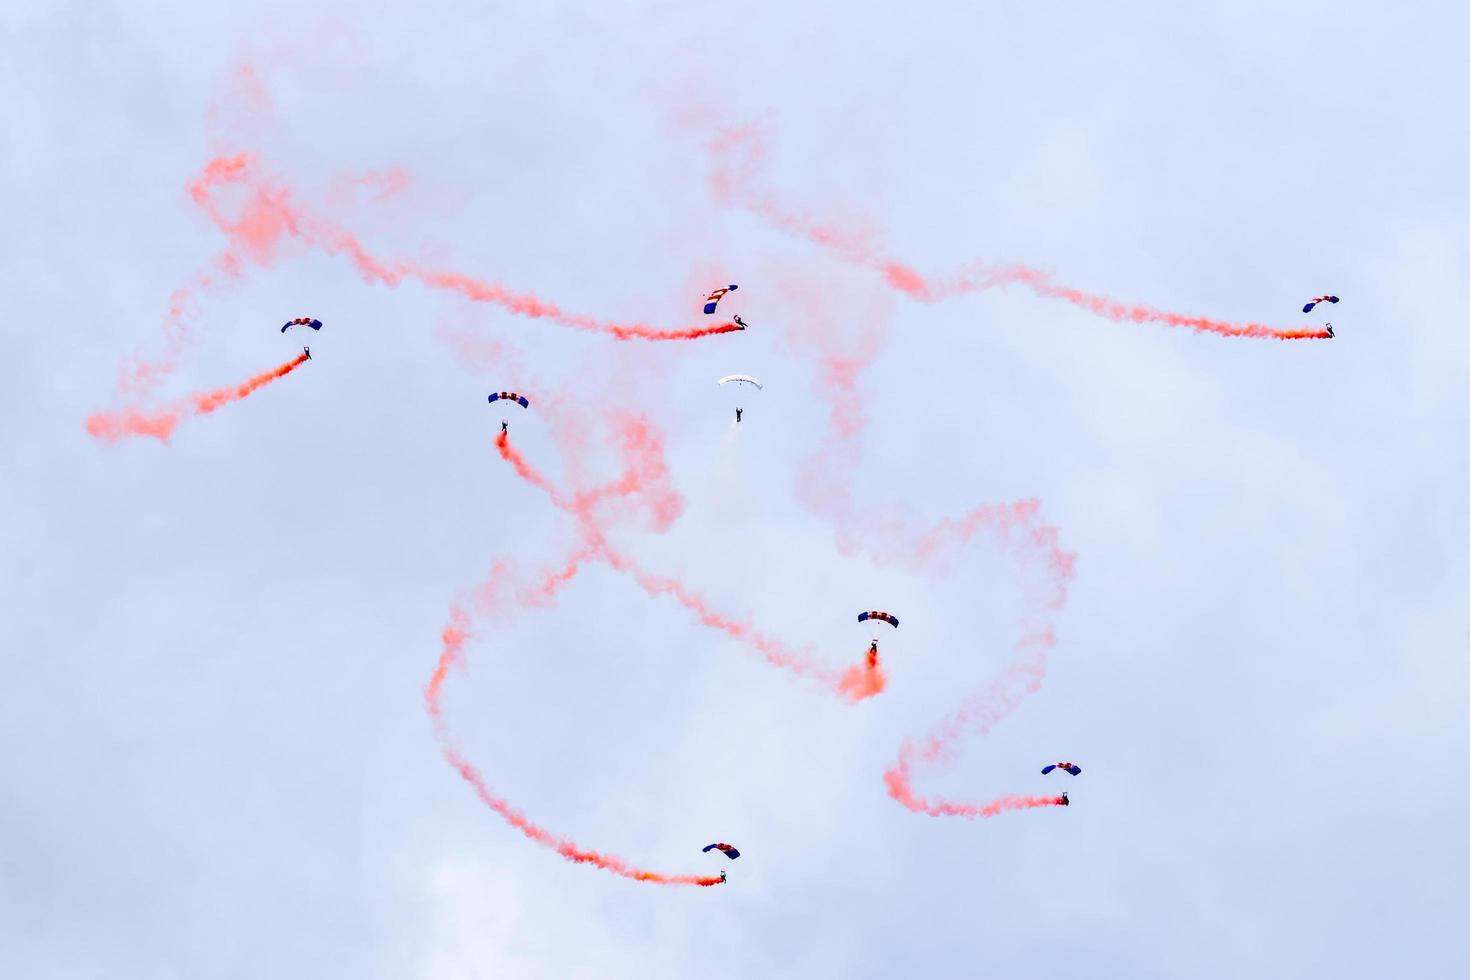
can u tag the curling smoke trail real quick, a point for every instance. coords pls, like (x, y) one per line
(738, 153)
(1035, 546)
(454, 636)
(826, 486)
(121, 424)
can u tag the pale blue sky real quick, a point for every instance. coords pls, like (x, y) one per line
(216, 761)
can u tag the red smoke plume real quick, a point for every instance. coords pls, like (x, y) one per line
(112, 426)
(738, 153)
(865, 680)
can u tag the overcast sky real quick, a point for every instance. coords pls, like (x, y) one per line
(216, 760)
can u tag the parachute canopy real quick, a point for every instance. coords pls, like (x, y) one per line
(1071, 767)
(889, 618)
(510, 396)
(1318, 299)
(739, 379)
(302, 321)
(729, 850)
(714, 298)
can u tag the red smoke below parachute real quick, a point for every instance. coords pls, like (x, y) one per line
(738, 154)
(123, 423)
(865, 680)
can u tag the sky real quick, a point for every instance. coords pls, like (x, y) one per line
(219, 758)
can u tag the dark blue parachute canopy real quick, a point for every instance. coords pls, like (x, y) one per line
(729, 850)
(863, 617)
(302, 321)
(1318, 299)
(510, 396)
(1071, 767)
(714, 297)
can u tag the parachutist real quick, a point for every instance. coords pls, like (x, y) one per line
(307, 352)
(738, 413)
(873, 649)
(1065, 801)
(504, 427)
(722, 877)
(739, 322)
(1329, 331)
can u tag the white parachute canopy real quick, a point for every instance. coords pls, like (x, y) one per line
(740, 379)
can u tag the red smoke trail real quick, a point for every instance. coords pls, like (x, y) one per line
(647, 474)
(523, 469)
(455, 634)
(982, 278)
(865, 680)
(267, 217)
(112, 426)
(738, 153)
(1035, 545)
(855, 684)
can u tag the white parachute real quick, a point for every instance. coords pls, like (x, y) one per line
(740, 379)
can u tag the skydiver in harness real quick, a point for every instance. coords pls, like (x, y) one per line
(307, 352)
(738, 412)
(1065, 801)
(504, 427)
(1329, 330)
(722, 877)
(739, 322)
(873, 649)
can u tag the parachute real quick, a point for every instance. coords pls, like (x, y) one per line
(740, 379)
(1071, 767)
(1318, 299)
(729, 850)
(302, 321)
(510, 396)
(714, 297)
(889, 618)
